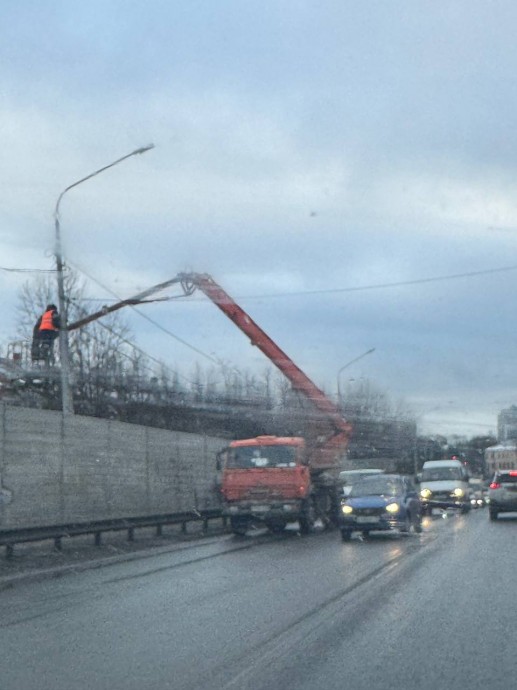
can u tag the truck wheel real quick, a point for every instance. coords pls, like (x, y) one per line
(276, 527)
(465, 508)
(239, 525)
(335, 509)
(417, 524)
(307, 517)
(492, 514)
(346, 535)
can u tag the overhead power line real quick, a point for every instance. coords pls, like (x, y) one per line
(324, 291)
(381, 286)
(147, 318)
(360, 288)
(27, 270)
(132, 345)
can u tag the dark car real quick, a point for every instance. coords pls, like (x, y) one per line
(387, 502)
(502, 493)
(477, 497)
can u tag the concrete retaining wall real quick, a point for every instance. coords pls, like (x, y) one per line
(56, 469)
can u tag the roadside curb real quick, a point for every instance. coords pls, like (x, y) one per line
(35, 575)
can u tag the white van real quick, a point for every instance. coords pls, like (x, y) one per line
(444, 484)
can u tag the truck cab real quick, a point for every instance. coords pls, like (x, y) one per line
(266, 480)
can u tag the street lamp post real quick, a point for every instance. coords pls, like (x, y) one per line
(66, 392)
(345, 366)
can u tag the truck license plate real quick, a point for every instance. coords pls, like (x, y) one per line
(365, 520)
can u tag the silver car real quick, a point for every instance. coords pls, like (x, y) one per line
(502, 493)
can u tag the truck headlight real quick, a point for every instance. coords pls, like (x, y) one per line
(392, 508)
(426, 493)
(347, 510)
(458, 492)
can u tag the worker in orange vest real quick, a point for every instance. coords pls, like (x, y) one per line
(45, 332)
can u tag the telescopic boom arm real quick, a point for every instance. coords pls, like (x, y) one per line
(300, 381)
(335, 444)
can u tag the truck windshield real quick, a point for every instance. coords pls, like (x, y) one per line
(246, 457)
(439, 474)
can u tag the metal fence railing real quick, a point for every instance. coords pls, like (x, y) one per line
(10, 537)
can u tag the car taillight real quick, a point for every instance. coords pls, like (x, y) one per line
(495, 485)
(513, 473)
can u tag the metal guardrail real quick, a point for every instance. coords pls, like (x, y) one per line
(10, 537)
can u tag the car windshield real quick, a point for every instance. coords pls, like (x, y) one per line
(350, 477)
(437, 474)
(375, 486)
(248, 457)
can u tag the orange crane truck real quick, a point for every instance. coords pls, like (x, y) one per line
(268, 479)
(278, 480)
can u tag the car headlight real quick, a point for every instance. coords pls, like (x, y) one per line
(426, 493)
(458, 492)
(392, 508)
(347, 510)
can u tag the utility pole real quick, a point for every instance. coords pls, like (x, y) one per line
(67, 401)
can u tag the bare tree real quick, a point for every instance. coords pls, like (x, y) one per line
(283, 389)
(365, 400)
(267, 375)
(197, 385)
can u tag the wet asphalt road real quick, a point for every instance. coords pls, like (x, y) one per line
(431, 611)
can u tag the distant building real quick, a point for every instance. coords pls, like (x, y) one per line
(507, 424)
(500, 457)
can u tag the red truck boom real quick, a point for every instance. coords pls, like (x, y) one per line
(332, 448)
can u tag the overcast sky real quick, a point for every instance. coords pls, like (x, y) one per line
(304, 149)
